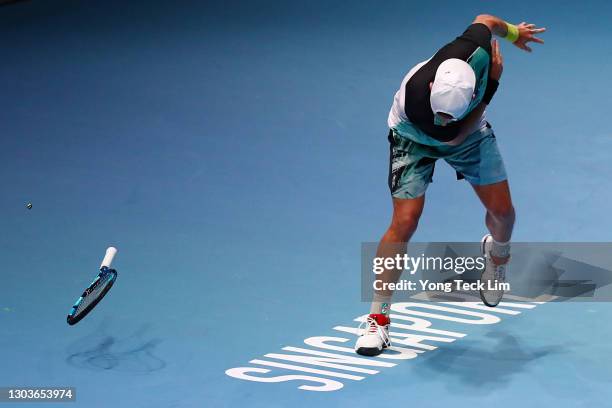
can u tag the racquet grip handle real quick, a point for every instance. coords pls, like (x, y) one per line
(108, 258)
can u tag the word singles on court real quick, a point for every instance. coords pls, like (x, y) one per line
(413, 333)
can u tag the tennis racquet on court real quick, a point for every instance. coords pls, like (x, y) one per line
(96, 290)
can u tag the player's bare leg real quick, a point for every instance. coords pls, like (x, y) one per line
(496, 246)
(406, 213)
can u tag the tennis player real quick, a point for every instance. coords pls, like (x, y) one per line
(439, 113)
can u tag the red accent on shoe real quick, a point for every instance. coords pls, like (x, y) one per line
(381, 319)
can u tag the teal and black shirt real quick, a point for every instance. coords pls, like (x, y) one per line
(474, 47)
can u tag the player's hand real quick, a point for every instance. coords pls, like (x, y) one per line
(497, 61)
(527, 34)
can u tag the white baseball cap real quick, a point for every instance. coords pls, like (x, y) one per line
(453, 88)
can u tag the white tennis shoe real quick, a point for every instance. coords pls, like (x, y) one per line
(374, 335)
(492, 275)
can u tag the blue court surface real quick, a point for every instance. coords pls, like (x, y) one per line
(235, 153)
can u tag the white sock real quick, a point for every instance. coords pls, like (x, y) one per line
(500, 249)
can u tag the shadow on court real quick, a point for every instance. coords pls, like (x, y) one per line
(487, 365)
(135, 353)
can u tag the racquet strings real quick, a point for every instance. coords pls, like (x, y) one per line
(94, 291)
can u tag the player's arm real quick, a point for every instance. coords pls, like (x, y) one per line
(519, 35)
(472, 119)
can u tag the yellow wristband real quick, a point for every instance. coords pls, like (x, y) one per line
(513, 32)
